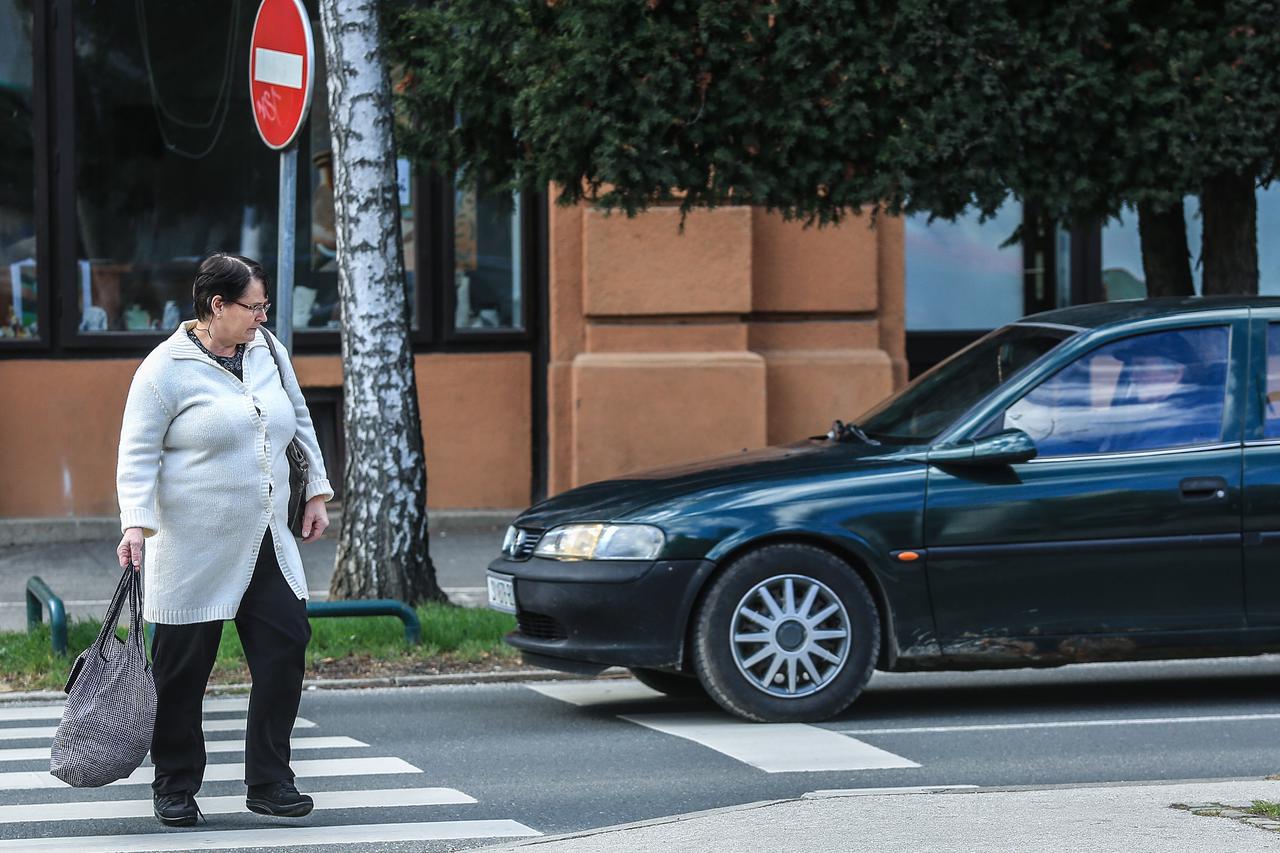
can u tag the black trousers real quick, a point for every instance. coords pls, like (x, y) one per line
(273, 627)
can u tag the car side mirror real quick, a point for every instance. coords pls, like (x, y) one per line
(1004, 448)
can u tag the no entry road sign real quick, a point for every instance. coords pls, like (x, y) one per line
(281, 69)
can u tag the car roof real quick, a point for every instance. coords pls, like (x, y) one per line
(1123, 310)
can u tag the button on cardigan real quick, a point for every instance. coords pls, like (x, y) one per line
(202, 470)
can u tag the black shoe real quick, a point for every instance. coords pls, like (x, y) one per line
(280, 799)
(178, 809)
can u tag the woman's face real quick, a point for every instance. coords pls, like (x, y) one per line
(239, 322)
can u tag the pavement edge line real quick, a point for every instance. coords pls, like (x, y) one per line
(441, 679)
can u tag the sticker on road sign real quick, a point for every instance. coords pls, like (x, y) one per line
(281, 70)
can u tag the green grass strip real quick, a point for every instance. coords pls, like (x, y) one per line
(340, 645)
(1266, 808)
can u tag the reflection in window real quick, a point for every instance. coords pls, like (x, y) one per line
(486, 261)
(1268, 246)
(1122, 273)
(18, 280)
(1272, 413)
(1122, 276)
(1166, 389)
(316, 302)
(949, 264)
(933, 402)
(168, 166)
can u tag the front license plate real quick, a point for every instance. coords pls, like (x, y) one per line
(502, 594)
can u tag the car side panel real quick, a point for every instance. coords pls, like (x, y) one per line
(865, 517)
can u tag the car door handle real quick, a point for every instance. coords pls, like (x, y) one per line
(1203, 488)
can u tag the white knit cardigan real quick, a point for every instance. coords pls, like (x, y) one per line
(202, 470)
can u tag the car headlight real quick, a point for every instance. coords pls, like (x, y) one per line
(601, 542)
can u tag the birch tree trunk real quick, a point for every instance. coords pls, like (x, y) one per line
(382, 546)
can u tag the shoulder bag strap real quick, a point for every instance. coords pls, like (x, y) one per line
(275, 356)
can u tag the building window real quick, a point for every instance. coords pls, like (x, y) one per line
(487, 269)
(949, 263)
(163, 166)
(1268, 246)
(169, 167)
(19, 279)
(1122, 273)
(316, 302)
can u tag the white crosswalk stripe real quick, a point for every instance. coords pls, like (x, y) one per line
(109, 809)
(217, 725)
(54, 712)
(378, 799)
(238, 839)
(771, 747)
(39, 753)
(20, 779)
(774, 747)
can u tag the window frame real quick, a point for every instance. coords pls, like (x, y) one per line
(44, 162)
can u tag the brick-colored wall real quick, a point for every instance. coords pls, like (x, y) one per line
(61, 425)
(742, 330)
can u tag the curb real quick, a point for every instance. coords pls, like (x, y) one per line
(44, 531)
(443, 679)
(640, 824)
(846, 794)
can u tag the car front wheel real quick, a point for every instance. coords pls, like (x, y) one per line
(786, 633)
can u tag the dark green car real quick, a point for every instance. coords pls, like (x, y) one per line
(1095, 483)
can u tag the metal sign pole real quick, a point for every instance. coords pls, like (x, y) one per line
(288, 215)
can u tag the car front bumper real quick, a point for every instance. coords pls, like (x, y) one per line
(586, 615)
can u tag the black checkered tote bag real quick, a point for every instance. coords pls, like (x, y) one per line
(111, 701)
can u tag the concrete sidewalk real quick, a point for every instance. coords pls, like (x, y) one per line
(1119, 818)
(83, 572)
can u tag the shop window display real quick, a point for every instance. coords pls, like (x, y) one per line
(19, 281)
(168, 166)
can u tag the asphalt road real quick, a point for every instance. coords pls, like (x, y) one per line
(565, 756)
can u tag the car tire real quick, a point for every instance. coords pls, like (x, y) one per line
(676, 684)
(761, 673)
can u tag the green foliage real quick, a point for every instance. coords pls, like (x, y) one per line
(817, 108)
(1266, 808)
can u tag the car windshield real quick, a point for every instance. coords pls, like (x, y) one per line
(930, 404)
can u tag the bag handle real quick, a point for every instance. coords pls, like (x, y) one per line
(123, 589)
(136, 623)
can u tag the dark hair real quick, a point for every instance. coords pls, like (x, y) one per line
(223, 275)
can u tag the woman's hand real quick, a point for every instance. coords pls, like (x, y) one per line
(315, 519)
(130, 549)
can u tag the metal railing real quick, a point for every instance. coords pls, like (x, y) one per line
(372, 607)
(39, 597)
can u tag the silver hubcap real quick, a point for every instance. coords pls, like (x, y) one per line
(790, 636)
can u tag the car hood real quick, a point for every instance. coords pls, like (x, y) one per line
(622, 497)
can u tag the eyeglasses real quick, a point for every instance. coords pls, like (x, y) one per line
(263, 307)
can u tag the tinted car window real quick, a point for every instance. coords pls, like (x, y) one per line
(936, 399)
(1273, 381)
(1165, 389)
